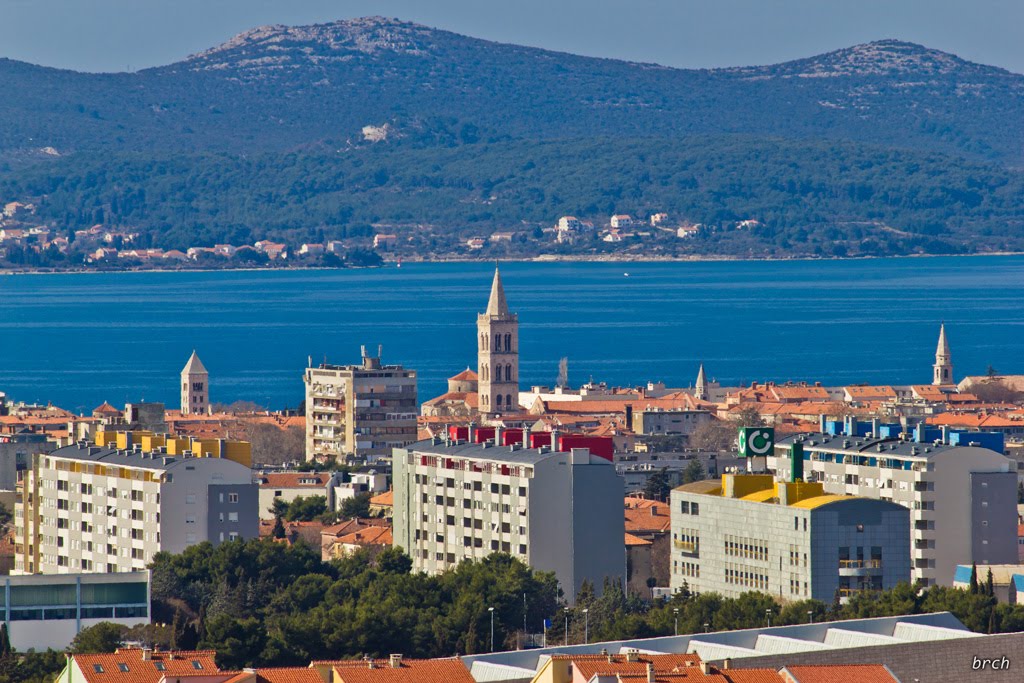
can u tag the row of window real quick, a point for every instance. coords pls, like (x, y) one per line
(738, 575)
(688, 508)
(687, 569)
(754, 549)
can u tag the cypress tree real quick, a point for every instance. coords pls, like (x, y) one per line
(973, 585)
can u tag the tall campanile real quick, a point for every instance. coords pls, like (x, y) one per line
(942, 371)
(498, 354)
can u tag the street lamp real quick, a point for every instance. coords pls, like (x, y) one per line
(707, 627)
(675, 611)
(491, 610)
(810, 616)
(586, 625)
(768, 617)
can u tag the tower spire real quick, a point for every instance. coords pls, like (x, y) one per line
(701, 388)
(942, 371)
(497, 305)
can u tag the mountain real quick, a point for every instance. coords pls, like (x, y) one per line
(285, 88)
(321, 132)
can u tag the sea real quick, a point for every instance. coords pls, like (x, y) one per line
(78, 339)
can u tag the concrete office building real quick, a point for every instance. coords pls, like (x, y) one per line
(748, 532)
(44, 612)
(88, 508)
(672, 421)
(558, 510)
(359, 411)
(962, 498)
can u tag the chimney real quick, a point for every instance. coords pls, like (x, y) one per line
(650, 672)
(822, 419)
(554, 440)
(632, 655)
(497, 435)
(396, 661)
(147, 654)
(726, 663)
(706, 668)
(654, 511)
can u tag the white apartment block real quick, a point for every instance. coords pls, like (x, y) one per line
(359, 411)
(556, 511)
(85, 508)
(962, 499)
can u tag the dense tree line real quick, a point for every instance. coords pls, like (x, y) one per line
(810, 197)
(261, 603)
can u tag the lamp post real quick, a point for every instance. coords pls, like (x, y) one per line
(675, 612)
(707, 627)
(768, 617)
(810, 616)
(491, 610)
(586, 625)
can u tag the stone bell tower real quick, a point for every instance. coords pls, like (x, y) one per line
(498, 354)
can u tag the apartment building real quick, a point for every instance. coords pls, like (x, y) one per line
(962, 498)
(359, 412)
(748, 532)
(101, 508)
(557, 510)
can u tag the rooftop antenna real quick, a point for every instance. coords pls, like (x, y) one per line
(380, 350)
(309, 360)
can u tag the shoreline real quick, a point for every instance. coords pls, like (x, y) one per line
(543, 258)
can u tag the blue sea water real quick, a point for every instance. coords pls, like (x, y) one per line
(79, 339)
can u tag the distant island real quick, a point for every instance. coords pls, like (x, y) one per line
(375, 139)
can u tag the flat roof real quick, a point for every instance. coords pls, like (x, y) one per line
(866, 445)
(479, 451)
(123, 458)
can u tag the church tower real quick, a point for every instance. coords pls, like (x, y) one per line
(498, 354)
(195, 387)
(701, 389)
(943, 368)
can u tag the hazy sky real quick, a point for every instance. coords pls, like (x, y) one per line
(103, 35)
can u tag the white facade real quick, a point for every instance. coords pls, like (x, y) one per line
(556, 511)
(89, 509)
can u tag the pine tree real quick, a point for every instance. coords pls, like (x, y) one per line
(5, 642)
(973, 585)
(989, 588)
(278, 528)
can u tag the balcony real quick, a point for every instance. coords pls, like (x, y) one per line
(859, 567)
(690, 547)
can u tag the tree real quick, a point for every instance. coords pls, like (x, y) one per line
(356, 506)
(279, 507)
(272, 445)
(5, 642)
(989, 588)
(973, 584)
(278, 532)
(306, 509)
(104, 637)
(714, 435)
(5, 517)
(657, 486)
(749, 417)
(694, 472)
(238, 642)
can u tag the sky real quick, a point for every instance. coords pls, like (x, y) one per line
(117, 35)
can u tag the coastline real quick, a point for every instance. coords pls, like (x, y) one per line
(543, 258)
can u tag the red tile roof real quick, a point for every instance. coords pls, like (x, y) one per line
(384, 499)
(466, 375)
(380, 535)
(635, 540)
(294, 480)
(859, 673)
(646, 516)
(106, 409)
(449, 670)
(589, 666)
(110, 668)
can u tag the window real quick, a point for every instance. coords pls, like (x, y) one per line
(197, 665)
(98, 668)
(160, 666)
(694, 509)
(190, 499)
(122, 667)
(232, 497)
(232, 516)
